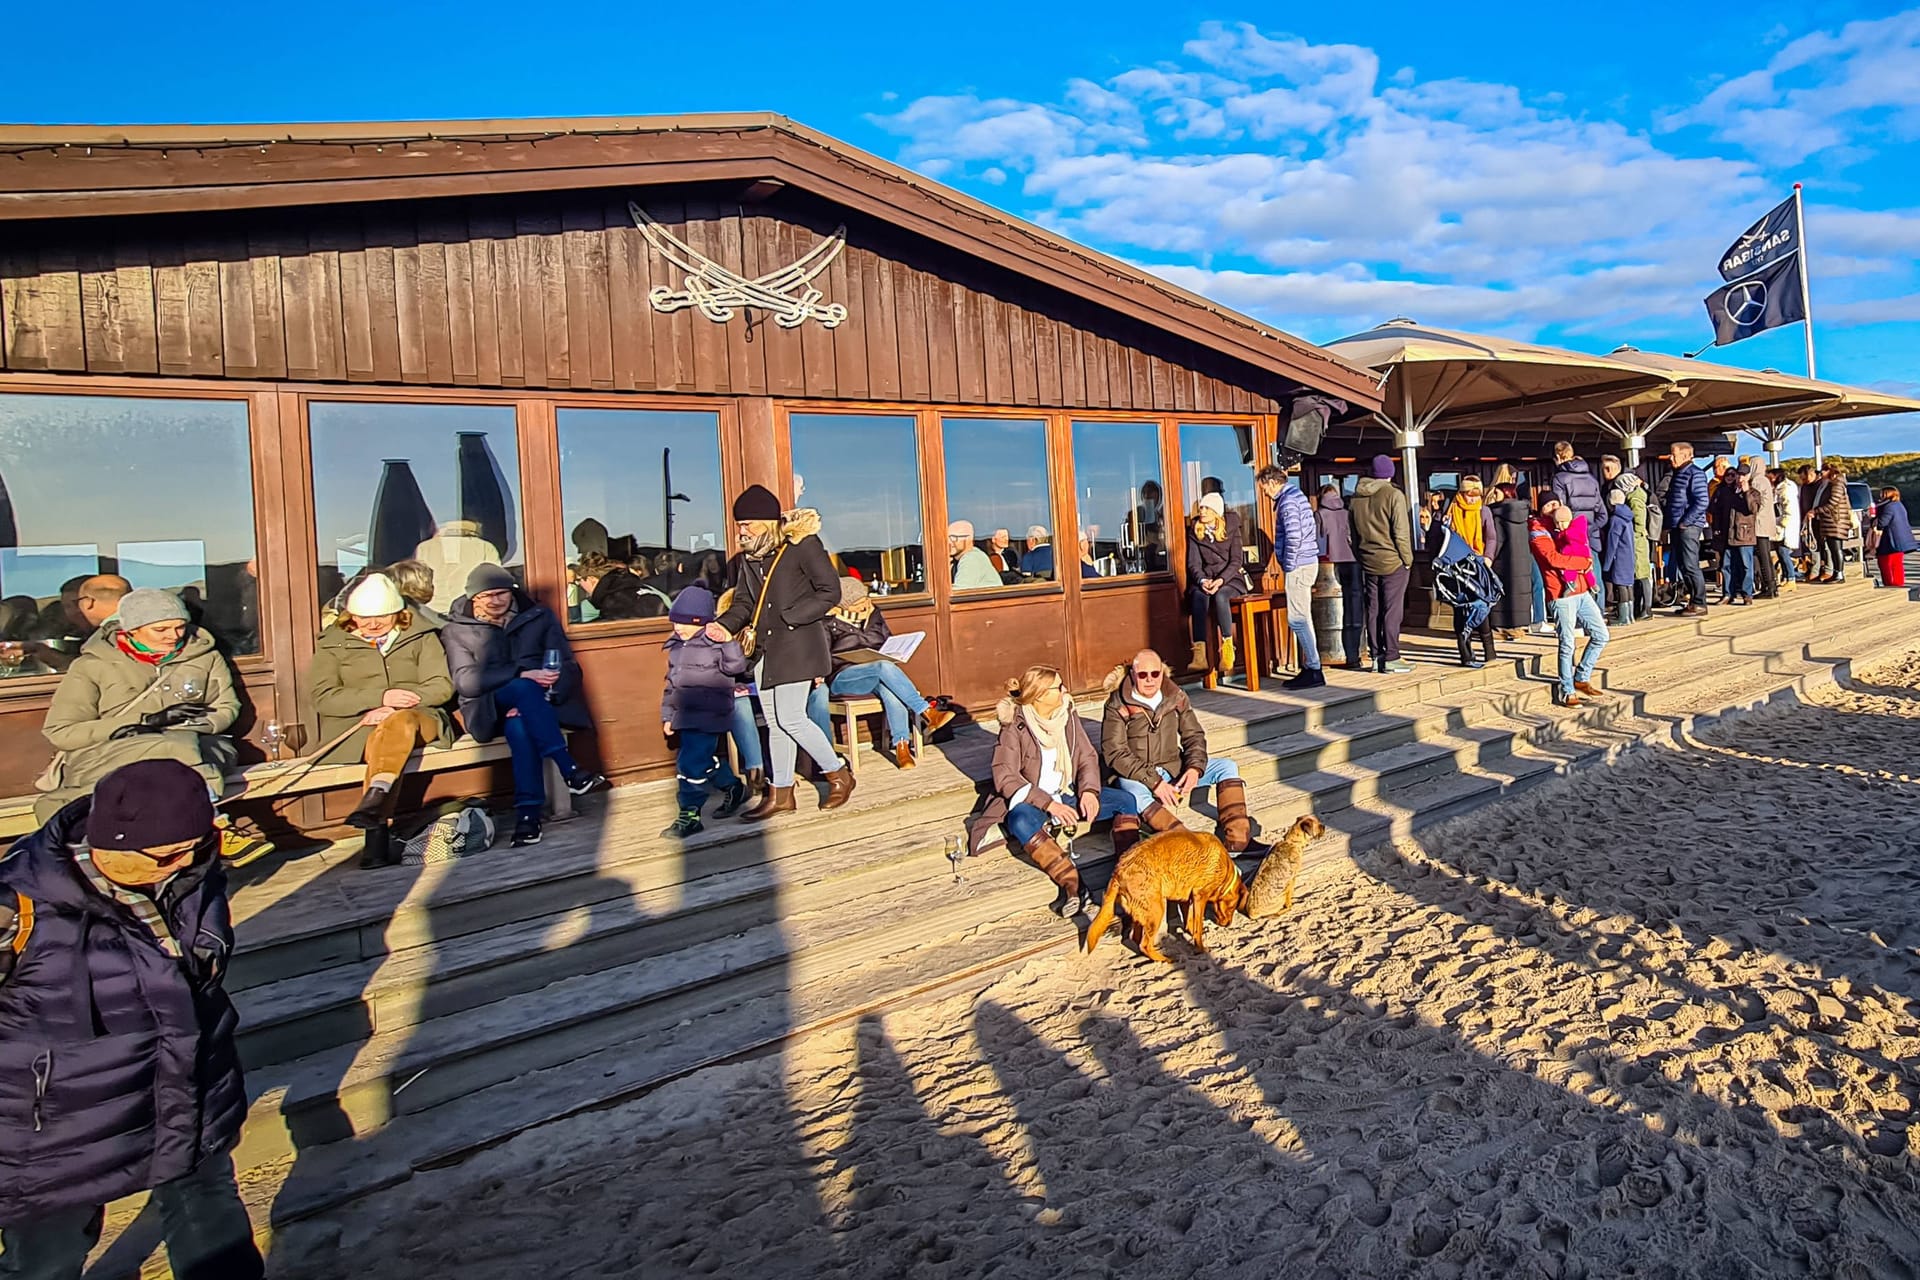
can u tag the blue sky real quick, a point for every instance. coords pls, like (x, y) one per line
(1561, 171)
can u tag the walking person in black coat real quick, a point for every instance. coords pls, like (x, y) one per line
(498, 638)
(784, 585)
(1508, 548)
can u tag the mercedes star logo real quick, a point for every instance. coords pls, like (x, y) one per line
(1746, 302)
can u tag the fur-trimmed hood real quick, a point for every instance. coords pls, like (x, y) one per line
(801, 522)
(1006, 711)
(1172, 694)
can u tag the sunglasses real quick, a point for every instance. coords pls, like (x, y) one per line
(198, 846)
(1146, 675)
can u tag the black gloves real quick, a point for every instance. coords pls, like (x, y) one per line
(159, 721)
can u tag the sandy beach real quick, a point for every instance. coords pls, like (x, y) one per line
(1654, 1020)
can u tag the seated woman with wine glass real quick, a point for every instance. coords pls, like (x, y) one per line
(380, 677)
(515, 676)
(148, 685)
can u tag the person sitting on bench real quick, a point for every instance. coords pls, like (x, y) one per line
(857, 625)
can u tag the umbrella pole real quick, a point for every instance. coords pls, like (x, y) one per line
(1409, 443)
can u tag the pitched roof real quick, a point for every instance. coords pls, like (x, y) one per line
(69, 171)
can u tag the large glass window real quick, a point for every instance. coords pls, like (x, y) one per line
(997, 482)
(438, 483)
(640, 495)
(158, 492)
(1219, 459)
(1121, 495)
(862, 473)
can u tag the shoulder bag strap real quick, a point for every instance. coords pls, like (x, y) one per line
(766, 585)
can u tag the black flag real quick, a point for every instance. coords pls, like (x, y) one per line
(1753, 304)
(1763, 244)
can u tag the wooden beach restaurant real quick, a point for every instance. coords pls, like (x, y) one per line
(245, 363)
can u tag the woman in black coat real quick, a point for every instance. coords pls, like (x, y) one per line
(1214, 555)
(1512, 558)
(783, 586)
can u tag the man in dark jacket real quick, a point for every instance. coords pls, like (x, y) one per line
(500, 642)
(1578, 490)
(1152, 744)
(1383, 539)
(118, 1071)
(698, 705)
(1686, 520)
(784, 585)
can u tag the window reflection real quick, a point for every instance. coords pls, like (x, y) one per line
(997, 481)
(1120, 492)
(438, 483)
(158, 492)
(862, 473)
(640, 495)
(1216, 458)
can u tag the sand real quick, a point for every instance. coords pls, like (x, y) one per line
(1655, 1020)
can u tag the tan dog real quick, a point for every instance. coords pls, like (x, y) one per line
(1175, 866)
(1271, 892)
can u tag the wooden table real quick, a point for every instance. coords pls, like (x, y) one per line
(1248, 610)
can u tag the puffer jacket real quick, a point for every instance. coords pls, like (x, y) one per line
(482, 658)
(350, 676)
(1016, 764)
(1336, 528)
(118, 1070)
(1579, 492)
(1382, 527)
(791, 643)
(701, 676)
(1686, 506)
(1636, 494)
(1136, 741)
(1834, 516)
(1619, 559)
(1296, 535)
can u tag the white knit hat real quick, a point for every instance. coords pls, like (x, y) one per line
(1214, 503)
(375, 597)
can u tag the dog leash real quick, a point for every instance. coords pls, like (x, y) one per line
(295, 772)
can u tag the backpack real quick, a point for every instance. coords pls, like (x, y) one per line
(450, 837)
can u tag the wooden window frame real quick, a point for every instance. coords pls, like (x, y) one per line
(931, 474)
(938, 445)
(1165, 427)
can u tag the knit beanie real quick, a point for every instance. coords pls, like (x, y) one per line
(147, 804)
(374, 596)
(852, 592)
(489, 577)
(693, 606)
(147, 606)
(1214, 503)
(1382, 467)
(756, 502)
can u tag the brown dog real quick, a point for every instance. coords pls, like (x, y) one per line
(1271, 892)
(1175, 866)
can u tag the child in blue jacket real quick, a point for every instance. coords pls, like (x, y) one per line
(698, 705)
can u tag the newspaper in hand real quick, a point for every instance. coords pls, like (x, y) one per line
(897, 649)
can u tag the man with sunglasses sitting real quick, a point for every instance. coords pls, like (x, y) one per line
(1152, 744)
(118, 1071)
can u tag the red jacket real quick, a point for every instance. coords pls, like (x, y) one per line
(1554, 561)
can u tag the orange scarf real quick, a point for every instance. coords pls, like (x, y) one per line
(1463, 517)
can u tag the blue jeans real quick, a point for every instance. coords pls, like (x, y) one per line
(1570, 612)
(1784, 554)
(533, 736)
(894, 688)
(201, 1218)
(1218, 770)
(746, 734)
(1024, 822)
(1739, 571)
(700, 765)
(1539, 594)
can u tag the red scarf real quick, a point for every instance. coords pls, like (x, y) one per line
(152, 658)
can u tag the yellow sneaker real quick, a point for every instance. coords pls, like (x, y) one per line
(1226, 656)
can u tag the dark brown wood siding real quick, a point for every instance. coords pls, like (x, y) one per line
(551, 292)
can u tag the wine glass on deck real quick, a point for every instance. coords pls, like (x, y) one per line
(956, 854)
(274, 737)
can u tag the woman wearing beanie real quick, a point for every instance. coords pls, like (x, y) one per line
(1216, 573)
(856, 624)
(148, 685)
(381, 668)
(784, 585)
(497, 639)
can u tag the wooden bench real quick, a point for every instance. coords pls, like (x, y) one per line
(16, 813)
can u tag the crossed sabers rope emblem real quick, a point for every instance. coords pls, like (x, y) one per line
(787, 294)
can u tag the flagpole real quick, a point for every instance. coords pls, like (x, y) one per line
(1806, 301)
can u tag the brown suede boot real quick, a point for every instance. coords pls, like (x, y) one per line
(1126, 832)
(777, 800)
(1157, 818)
(839, 787)
(1053, 860)
(1235, 828)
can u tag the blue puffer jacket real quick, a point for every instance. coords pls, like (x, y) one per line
(1296, 536)
(1617, 556)
(117, 1062)
(1687, 499)
(701, 676)
(1579, 492)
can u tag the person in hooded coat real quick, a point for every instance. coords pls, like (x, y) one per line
(1512, 561)
(1620, 560)
(148, 685)
(1576, 489)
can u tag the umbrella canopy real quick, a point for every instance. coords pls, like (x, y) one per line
(1442, 378)
(1724, 398)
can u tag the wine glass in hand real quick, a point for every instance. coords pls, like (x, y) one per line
(552, 664)
(192, 687)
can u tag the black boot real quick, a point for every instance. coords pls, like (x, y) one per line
(369, 813)
(378, 849)
(732, 800)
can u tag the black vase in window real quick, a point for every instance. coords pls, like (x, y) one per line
(485, 499)
(401, 519)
